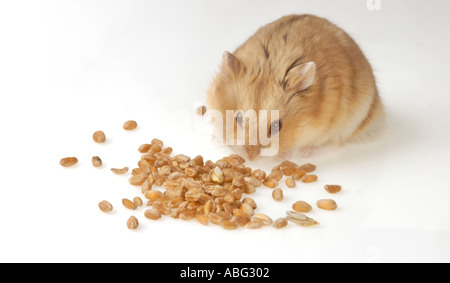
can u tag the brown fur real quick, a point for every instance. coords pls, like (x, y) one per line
(341, 105)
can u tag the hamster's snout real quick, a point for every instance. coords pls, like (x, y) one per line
(253, 151)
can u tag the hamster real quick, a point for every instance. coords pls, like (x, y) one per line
(313, 73)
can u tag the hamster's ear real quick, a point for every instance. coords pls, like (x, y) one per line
(299, 77)
(231, 66)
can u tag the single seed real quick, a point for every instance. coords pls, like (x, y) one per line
(309, 178)
(154, 148)
(239, 212)
(175, 213)
(298, 174)
(105, 206)
(289, 164)
(183, 204)
(254, 224)
(277, 194)
(176, 175)
(137, 172)
(332, 189)
(96, 161)
(172, 193)
(146, 186)
(159, 180)
(193, 194)
(143, 148)
(327, 204)
(99, 137)
(202, 218)
(215, 218)
(250, 201)
(181, 164)
(201, 110)
(247, 208)
(253, 181)
(150, 158)
(238, 181)
(138, 201)
(301, 206)
(225, 215)
(161, 207)
(239, 158)
(158, 142)
(287, 170)
(191, 184)
(266, 220)
(308, 168)
(137, 180)
(167, 150)
(175, 202)
(172, 184)
(259, 174)
(236, 204)
(222, 163)
(300, 219)
(152, 213)
(181, 158)
(187, 214)
(193, 206)
(204, 198)
(229, 198)
(236, 194)
(249, 189)
(217, 176)
(270, 183)
(130, 125)
(290, 182)
(229, 225)
(210, 206)
(190, 172)
(68, 161)
(129, 204)
(242, 219)
(152, 194)
(280, 223)
(227, 208)
(145, 166)
(199, 209)
(132, 223)
(276, 175)
(198, 160)
(219, 201)
(120, 171)
(219, 192)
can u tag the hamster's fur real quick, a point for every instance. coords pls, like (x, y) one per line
(310, 70)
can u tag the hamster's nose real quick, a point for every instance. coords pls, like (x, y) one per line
(252, 151)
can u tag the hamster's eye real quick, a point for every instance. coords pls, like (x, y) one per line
(239, 118)
(275, 127)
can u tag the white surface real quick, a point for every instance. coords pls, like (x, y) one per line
(68, 68)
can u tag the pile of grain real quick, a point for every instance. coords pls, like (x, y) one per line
(210, 192)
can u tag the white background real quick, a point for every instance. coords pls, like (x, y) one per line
(69, 68)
